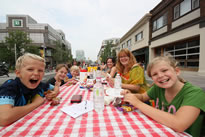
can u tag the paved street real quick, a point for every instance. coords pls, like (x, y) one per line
(195, 78)
(12, 76)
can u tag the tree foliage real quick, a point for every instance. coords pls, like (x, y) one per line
(32, 49)
(107, 51)
(61, 54)
(5, 54)
(18, 38)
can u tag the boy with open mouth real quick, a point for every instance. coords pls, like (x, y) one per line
(22, 95)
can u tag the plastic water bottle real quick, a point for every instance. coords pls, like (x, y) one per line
(94, 74)
(98, 73)
(91, 73)
(98, 96)
(118, 82)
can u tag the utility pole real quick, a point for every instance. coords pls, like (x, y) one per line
(15, 52)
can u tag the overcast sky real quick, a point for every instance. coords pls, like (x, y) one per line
(86, 23)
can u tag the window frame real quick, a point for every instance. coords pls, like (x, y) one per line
(177, 9)
(156, 22)
(137, 36)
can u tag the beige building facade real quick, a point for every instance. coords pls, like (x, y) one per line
(137, 40)
(178, 27)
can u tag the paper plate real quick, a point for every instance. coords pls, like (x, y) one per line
(114, 92)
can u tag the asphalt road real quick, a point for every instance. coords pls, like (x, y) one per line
(12, 76)
(196, 78)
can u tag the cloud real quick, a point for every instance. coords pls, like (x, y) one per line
(86, 23)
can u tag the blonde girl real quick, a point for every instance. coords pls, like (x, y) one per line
(177, 103)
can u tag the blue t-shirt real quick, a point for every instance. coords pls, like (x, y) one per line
(69, 75)
(15, 93)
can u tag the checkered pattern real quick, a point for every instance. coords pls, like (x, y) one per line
(49, 120)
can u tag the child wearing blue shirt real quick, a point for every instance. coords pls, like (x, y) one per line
(22, 95)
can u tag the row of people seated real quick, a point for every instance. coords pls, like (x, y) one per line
(178, 104)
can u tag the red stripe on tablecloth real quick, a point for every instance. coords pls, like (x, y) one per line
(55, 130)
(96, 127)
(83, 123)
(82, 130)
(21, 123)
(38, 119)
(159, 126)
(70, 124)
(107, 120)
(135, 127)
(51, 116)
(120, 122)
(148, 127)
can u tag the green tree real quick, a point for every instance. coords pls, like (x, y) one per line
(18, 38)
(57, 52)
(32, 49)
(114, 53)
(5, 54)
(107, 51)
(61, 54)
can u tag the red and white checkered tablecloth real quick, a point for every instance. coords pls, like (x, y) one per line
(49, 120)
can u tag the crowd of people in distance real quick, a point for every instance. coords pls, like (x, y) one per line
(178, 104)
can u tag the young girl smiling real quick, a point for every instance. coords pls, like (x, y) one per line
(177, 103)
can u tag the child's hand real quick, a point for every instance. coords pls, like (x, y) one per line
(58, 83)
(110, 82)
(132, 99)
(51, 94)
(38, 100)
(124, 92)
(55, 101)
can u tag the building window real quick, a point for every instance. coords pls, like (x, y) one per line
(129, 44)
(139, 36)
(176, 12)
(123, 45)
(195, 4)
(17, 23)
(160, 22)
(187, 54)
(185, 7)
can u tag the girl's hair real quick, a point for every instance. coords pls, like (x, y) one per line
(131, 62)
(76, 68)
(113, 60)
(59, 66)
(166, 58)
(21, 59)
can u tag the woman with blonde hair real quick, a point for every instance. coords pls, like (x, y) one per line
(132, 74)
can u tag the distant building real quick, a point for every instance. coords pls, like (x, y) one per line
(137, 40)
(178, 27)
(42, 34)
(80, 55)
(173, 26)
(113, 41)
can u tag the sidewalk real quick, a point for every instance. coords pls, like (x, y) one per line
(196, 78)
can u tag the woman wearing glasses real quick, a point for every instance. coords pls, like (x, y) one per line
(132, 74)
